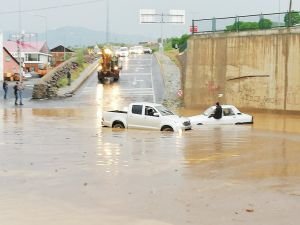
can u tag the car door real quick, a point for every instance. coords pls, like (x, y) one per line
(152, 118)
(135, 117)
(229, 116)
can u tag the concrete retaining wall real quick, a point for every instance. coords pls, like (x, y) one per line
(258, 69)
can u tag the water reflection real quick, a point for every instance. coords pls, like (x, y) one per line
(68, 112)
(109, 152)
(277, 122)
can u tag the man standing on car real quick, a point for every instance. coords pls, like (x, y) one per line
(218, 111)
(5, 88)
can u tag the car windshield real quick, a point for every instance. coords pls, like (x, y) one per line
(124, 49)
(164, 111)
(209, 111)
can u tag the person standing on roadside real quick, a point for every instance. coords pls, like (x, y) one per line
(5, 88)
(69, 77)
(16, 92)
(20, 90)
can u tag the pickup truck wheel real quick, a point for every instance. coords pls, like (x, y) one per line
(119, 125)
(167, 128)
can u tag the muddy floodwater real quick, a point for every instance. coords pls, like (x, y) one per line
(60, 167)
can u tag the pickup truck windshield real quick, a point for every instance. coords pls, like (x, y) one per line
(164, 111)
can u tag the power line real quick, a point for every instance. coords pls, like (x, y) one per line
(51, 7)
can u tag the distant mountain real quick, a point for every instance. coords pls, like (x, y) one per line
(79, 36)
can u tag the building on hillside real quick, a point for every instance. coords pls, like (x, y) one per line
(32, 54)
(10, 65)
(60, 54)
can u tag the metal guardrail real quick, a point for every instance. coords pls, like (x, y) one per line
(242, 23)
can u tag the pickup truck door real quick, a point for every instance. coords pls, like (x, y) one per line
(145, 117)
(135, 117)
(152, 119)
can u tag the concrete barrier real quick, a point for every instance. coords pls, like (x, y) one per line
(255, 69)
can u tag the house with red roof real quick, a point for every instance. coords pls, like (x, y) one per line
(10, 65)
(32, 54)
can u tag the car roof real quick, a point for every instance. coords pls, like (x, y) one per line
(146, 103)
(228, 106)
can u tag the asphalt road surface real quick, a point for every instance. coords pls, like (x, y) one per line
(140, 80)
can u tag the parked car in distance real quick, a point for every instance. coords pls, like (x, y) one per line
(231, 115)
(145, 115)
(147, 50)
(136, 50)
(139, 49)
(123, 52)
(132, 50)
(27, 75)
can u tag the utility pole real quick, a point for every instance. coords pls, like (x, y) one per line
(107, 21)
(161, 47)
(279, 10)
(19, 40)
(290, 13)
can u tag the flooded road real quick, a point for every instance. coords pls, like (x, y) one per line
(59, 166)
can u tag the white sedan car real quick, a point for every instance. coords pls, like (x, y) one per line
(231, 115)
(123, 52)
(147, 50)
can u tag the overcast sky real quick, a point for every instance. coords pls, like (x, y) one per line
(124, 14)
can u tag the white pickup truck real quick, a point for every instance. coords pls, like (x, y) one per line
(144, 115)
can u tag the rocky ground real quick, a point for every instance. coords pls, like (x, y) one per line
(172, 80)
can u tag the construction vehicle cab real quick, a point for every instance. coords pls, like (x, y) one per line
(108, 66)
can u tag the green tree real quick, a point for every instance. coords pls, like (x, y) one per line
(241, 26)
(80, 57)
(175, 42)
(295, 18)
(265, 24)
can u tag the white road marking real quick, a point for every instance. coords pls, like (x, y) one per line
(137, 91)
(154, 99)
(134, 74)
(131, 59)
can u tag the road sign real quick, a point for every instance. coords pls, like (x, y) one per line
(180, 93)
(193, 29)
(177, 16)
(149, 16)
(152, 16)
